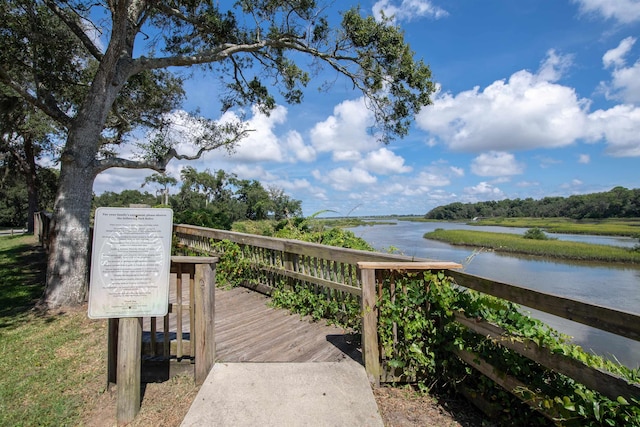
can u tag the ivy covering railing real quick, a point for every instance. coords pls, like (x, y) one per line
(429, 323)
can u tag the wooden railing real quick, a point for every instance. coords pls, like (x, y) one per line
(359, 274)
(42, 228)
(354, 274)
(187, 331)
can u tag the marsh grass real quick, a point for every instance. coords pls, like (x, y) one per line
(513, 243)
(606, 227)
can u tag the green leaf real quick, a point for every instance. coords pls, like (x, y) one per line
(621, 400)
(395, 363)
(415, 349)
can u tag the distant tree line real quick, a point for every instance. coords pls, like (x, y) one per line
(16, 205)
(616, 203)
(209, 199)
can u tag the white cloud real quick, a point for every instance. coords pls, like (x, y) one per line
(262, 144)
(94, 33)
(117, 178)
(345, 130)
(293, 185)
(407, 10)
(584, 159)
(625, 11)
(486, 191)
(615, 57)
(297, 148)
(625, 84)
(524, 112)
(425, 182)
(246, 171)
(383, 161)
(620, 127)
(343, 179)
(574, 185)
(431, 179)
(554, 66)
(457, 171)
(625, 81)
(496, 163)
(347, 156)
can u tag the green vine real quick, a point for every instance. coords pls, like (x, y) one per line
(331, 305)
(419, 336)
(421, 344)
(233, 268)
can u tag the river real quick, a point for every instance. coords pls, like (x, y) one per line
(614, 286)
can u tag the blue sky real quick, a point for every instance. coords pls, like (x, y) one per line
(536, 98)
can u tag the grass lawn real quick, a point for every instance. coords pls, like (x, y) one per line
(512, 243)
(53, 364)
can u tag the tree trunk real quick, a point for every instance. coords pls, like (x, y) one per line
(68, 264)
(31, 180)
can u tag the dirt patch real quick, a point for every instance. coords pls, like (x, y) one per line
(404, 407)
(163, 405)
(166, 404)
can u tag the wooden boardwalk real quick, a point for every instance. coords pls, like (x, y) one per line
(248, 330)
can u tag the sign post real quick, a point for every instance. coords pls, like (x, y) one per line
(130, 266)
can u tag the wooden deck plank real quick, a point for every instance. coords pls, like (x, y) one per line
(248, 330)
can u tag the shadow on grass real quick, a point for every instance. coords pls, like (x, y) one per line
(22, 278)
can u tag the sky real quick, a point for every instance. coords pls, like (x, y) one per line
(535, 98)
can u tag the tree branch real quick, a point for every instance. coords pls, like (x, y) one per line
(228, 49)
(47, 106)
(76, 29)
(160, 164)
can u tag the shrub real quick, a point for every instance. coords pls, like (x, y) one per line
(535, 233)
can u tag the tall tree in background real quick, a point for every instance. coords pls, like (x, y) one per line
(164, 181)
(100, 95)
(25, 135)
(283, 205)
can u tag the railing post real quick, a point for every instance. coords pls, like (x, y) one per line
(289, 265)
(205, 343)
(370, 346)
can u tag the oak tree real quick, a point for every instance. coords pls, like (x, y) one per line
(103, 69)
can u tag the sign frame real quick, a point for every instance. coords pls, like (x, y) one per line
(130, 263)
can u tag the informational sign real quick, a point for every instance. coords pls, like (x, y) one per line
(130, 263)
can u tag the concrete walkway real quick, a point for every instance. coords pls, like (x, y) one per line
(285, 395)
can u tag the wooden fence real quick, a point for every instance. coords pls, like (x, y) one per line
(359, 274)
(187, 331)
(350, 275)
(42, 228)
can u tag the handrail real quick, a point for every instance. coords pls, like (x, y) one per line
(333, 267)
(618, 322)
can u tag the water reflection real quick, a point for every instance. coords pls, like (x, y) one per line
(615, 286)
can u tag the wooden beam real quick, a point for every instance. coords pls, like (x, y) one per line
(370, 345)
(615, 321)
(129, 364)
(399, 265)
(205, 351)
(602, 381)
